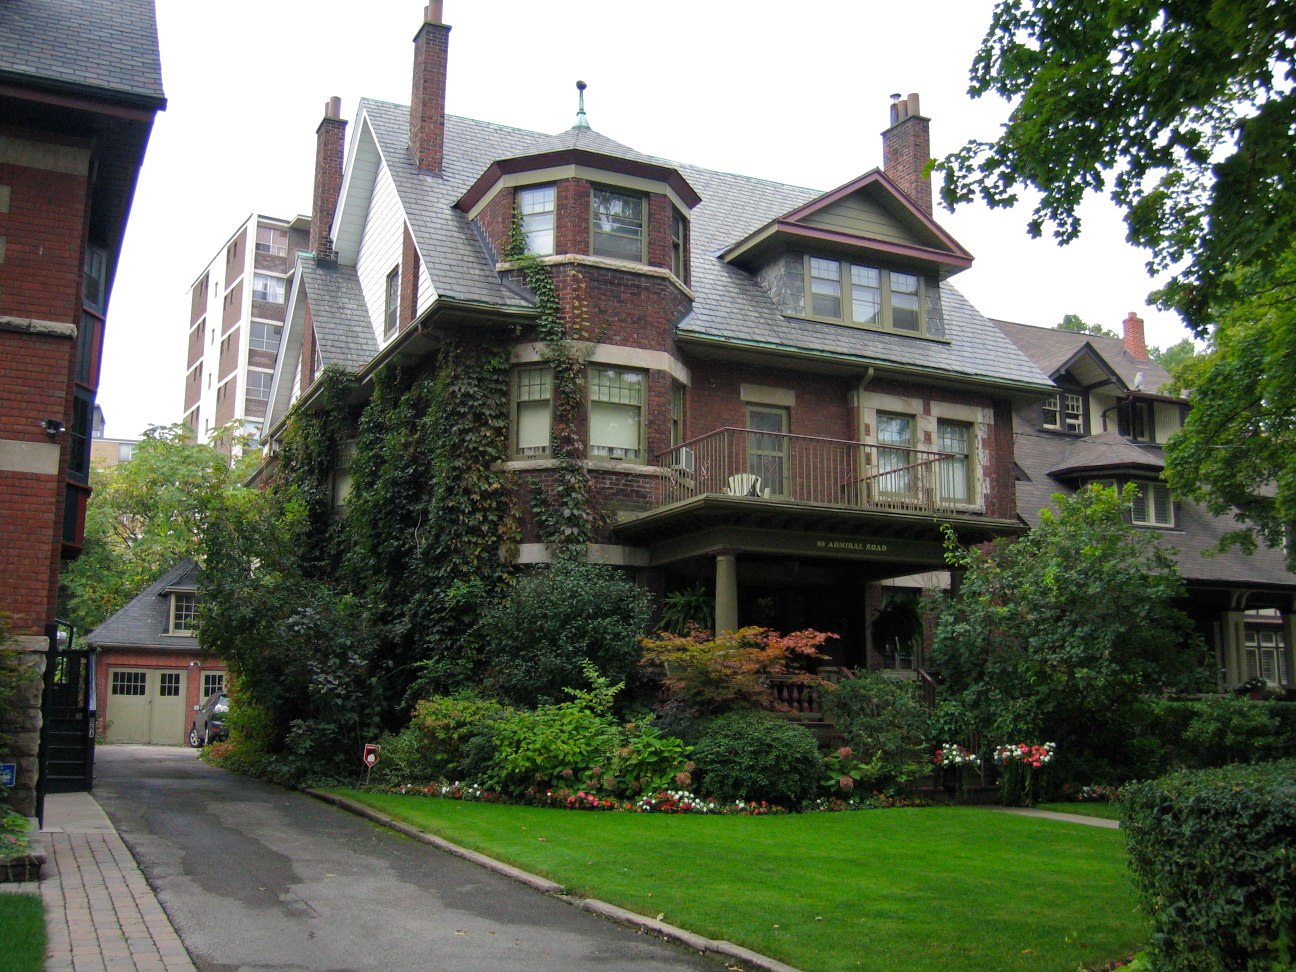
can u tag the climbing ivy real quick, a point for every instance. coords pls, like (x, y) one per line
(564, 511)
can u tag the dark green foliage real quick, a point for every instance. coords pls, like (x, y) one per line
(533, 642)
(432, 746)
(1208, 732)
(1214, 859)
(1073, 322)
(752, 755)
(1055, 637)
(884, 722)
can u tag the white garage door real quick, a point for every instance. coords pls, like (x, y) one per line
(145, 705)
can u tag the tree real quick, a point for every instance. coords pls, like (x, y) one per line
(1073, 322)
(143, 516)
(1175, 355)
(1183, 113)
(1055, 636)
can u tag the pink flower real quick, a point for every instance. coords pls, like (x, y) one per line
(846, 783)
(845, 752)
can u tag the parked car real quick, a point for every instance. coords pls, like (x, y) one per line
(209, 721)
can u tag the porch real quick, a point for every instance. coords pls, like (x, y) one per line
(809, 469)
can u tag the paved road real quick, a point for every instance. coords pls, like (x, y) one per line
(254, 877)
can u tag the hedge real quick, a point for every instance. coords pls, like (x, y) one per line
(1214, 859)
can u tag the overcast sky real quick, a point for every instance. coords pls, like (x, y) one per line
(797, 93)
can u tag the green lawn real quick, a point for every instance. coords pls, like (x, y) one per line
(949, 888)
(22, 933)
(1108, 811)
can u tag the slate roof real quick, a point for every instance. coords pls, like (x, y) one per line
(83, 46)
(343, 334)
(143, 622)
(729, 306)
(1107, 450)
(1051, 348)
(585, 139)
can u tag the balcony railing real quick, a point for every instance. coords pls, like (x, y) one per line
(807, 469)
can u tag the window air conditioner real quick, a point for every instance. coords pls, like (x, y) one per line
(684, 459)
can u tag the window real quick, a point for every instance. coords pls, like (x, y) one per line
(1065, 412)
(955, 470)
(265, 337)
(825, 288)
(536, 207)
(1137, 421)
(79, 436)
(679, 246)
(268, 288)
(532, 407)
(677, 415)
(616, 413)
(128, 683)
(125, 451)
(258, 385)
(617, 228)
(184, 612)
(213, 682)
(1152, 505)
(391, 311)
(169, 685)
(94, 284)
(271, 240)
(1265, 655)
(767, 447)
(895, 436)
(879, 298)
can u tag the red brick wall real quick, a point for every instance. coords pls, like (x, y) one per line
(229, 354)
(232, 307)
(197, 336)
(236, 257)
(307, 352)
(227, 396)
(572, 228)
(621, 307)
(329, 139)
(45, 238)
(427, 105)
(144, 658)
(409, 281)
(714, 401)
(193, 387)
(268, 310)
(198, 299)
(30, 512)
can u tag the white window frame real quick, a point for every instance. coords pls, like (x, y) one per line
(270, 245)
(537, 208)
(259, 390)
(269, 288)
(391, 303)
(957, 484)
(532, 405)
(1263, 645)
(615, 393)
(257, 339)
(1153, 506)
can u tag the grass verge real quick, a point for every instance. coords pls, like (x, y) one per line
(949, 888)
(22, 932)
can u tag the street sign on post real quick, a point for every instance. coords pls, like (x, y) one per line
(371, 752)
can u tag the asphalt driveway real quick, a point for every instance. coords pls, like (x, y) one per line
(254, 877)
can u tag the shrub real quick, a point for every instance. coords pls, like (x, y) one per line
(648, 760)
(752, 755)
(431, 747)
(533, 642)
(1213, 861)
(729, 671)
(1230, 729)
(555, 745)
(884, 722)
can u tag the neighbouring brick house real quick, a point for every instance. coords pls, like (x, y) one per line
(236, 316)
(1108, 422)
(80, 84)
(149, 670)
(787, 396)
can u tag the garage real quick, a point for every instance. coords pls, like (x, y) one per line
(145, 705)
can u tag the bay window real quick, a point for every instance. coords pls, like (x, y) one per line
(617, 221)
(536, 209)
(616, 409)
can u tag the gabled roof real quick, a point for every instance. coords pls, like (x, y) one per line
(912, 234)
(83, 47)
(729, 308)
(343, 335)
(143, 622)
(1054, 351)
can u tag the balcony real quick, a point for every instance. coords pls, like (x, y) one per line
(806, 469)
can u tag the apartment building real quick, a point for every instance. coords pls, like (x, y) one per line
(236, 318)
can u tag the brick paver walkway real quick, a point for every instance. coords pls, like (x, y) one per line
(100, 913)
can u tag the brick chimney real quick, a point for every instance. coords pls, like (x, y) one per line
(427, 104)
(1134, 341)
(329, 139)
(906, 150)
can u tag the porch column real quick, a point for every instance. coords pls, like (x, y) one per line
(1234, 644)
(726, 598)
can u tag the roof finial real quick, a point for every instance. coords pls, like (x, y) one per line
(581, 120)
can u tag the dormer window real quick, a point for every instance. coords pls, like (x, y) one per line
(617, 221)
(865, 296)
(184, 612)
(536, 207)
(1152, 505)
(679, 246)
(1065, 413)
